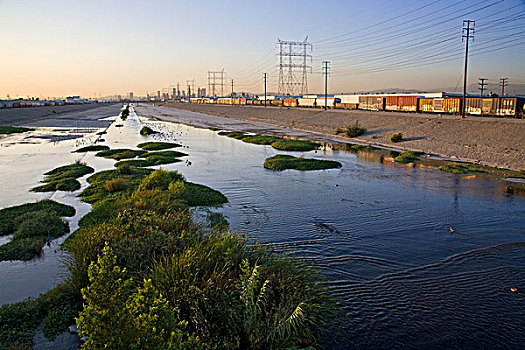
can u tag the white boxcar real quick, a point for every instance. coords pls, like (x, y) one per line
(306, 102)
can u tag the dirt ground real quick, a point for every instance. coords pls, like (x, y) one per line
(490, 141)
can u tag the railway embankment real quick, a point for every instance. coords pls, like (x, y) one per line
(498, 142)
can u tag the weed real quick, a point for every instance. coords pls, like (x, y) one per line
(396, 137)
(407, 157)
(355, 130)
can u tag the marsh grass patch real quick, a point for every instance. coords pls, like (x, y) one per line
(282, 162)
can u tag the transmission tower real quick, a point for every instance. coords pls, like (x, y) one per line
(216, 82)
(293, 68)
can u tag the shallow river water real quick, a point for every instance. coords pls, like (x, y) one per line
(378, 232)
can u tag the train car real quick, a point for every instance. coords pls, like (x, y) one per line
(481, 106)
(330, 102)
(343, 105)
(347, 101)
(290, 102)
(511, 107)
(306, 102)
(426, 105)
(275, 102)
(401, 103)
(372, 103)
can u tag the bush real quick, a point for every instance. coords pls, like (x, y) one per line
(295, 145)
(355, 130)
(159, 179)
(396, 137)
(177, 188)
(282, 162)
(115, 185)
(147, 131)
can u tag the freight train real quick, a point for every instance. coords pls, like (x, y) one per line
(421, 103)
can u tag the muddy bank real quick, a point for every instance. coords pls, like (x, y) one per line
(59, 116)
(487, 141)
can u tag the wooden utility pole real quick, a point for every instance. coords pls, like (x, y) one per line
(503, 82)
(482, 85)
(265, 77)
(325, 72)
(468, 33)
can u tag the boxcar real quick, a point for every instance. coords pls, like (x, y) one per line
(346, 105)
(330, 102)
(481, 106)
(426, 105)
(401, 103)
(290, 102)
(372, 103)
(275, 102)
(511, 107)
(306, 102)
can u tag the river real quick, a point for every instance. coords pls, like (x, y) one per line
(378, 232)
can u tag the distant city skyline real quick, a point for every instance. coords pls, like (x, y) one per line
(97, 48)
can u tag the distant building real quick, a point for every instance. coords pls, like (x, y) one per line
(131, 95)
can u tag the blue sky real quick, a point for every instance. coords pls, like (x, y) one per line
(55, 48)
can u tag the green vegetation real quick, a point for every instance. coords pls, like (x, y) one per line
(13, 130)
(144, 275)
(115, 185)
(295, 145)
(18, 321)
(282, 162)
(157, 146)
(153, 158)
(32, 224)
(9, 215)
(355, 130)
(147, 131)
(120, 153)
(124, 113)
(396, 137)
(456, 168)
(261, 139)
(214, 128)
(407, 157)
(339, 131)
(64, 178)
(92, 148)
(238, 135)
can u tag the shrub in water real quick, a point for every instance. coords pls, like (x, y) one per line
(40, 223)
(159, 179)
(396, 137)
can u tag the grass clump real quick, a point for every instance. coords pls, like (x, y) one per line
(456, 168)
(407, 157)
(238, 135)
(31, 226)
(92, 148)
(13, 130)
(147, 131)
(157, 146)
(124, 113)
(261, 139)
(339, 131)
(153, 158)
(9, 215)
(115, 185)
(295, 145)
(120, 153)
(396, 137)
(159, 179)
(282, 162)
(212, 128)
(355, 130)
(64, 178)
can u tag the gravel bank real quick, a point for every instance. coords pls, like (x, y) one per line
(488, 141)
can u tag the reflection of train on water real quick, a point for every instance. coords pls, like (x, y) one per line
(422, 103)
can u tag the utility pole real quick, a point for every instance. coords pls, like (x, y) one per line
(482, 85)
(265, 77)
(325, 73)
(232, 88)
(468, 33)
(503, 82)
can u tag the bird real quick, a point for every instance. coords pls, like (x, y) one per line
(452, 230)
(514, 290)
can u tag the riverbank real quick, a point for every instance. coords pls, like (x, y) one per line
(488, 141)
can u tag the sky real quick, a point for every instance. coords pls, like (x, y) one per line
(101, 48)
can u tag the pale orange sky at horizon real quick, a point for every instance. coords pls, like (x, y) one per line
(60, 48)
